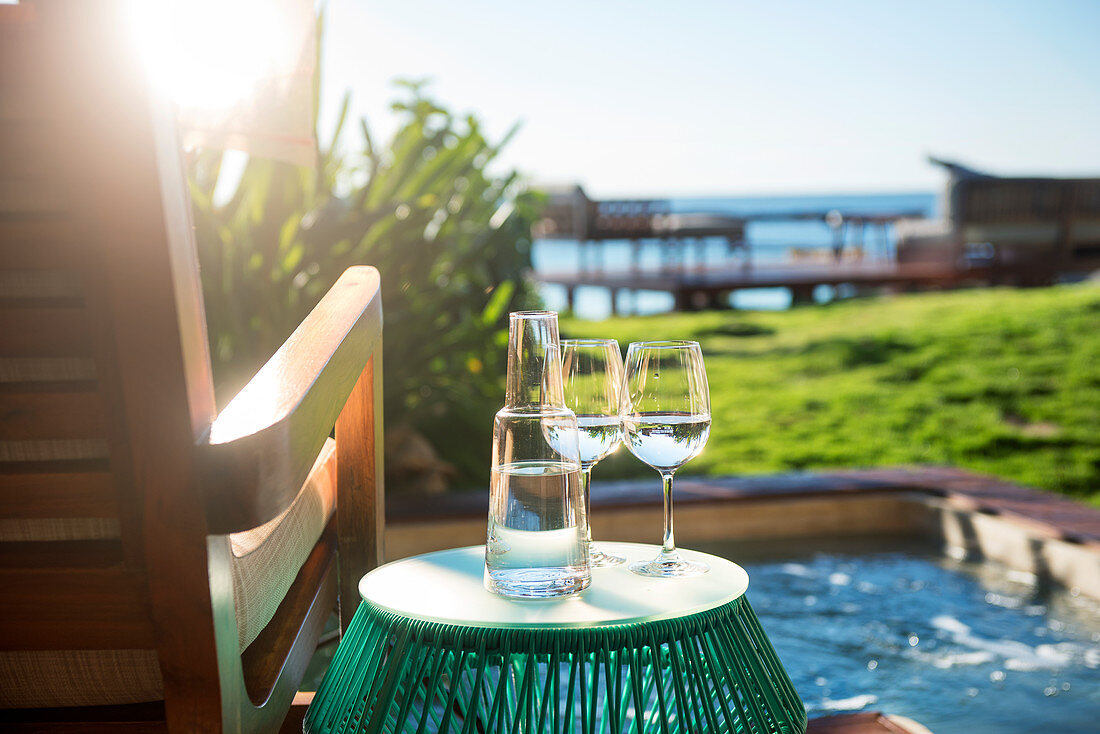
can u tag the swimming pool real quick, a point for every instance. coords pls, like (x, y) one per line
(963, 648)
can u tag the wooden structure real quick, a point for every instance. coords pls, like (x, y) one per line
(124, 496)
(1025, 231)
(709, 287)
(867, 722)
(570, 214)
(1022, 230)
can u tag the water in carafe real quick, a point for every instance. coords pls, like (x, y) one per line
(535, 545)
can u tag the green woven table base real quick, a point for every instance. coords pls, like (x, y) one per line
(714, 671)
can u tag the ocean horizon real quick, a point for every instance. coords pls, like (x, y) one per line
(770, 241)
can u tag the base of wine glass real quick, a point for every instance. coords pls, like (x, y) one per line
(599, 559)
(669, 565)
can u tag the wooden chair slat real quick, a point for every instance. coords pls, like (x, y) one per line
(51, 411)
(63, 554)
(138, 718)
(24, 149)
(44, 332)
(47, 489)
(75, 609)
(41, 242)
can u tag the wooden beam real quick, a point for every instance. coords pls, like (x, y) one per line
(360, 501)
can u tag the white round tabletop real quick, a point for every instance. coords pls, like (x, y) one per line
(447, 587)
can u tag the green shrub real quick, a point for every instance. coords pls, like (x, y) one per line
(451, 240)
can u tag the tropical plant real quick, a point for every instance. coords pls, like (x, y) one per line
(451, 240)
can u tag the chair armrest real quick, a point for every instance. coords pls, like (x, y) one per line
(261, 447)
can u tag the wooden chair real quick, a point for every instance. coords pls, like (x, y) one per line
(162, 569)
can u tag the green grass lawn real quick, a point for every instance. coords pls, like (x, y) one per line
(999, 381)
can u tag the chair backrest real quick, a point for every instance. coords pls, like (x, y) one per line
(118, 485)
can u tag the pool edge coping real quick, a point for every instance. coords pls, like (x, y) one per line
(1045, 513)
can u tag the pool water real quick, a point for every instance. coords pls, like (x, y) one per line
(962, 647)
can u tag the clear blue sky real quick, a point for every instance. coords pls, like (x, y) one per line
(742, 97)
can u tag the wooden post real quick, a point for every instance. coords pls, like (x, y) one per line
(682, 299)
(1064, 244)
(839, 234)
(802, 295)
(360, 500)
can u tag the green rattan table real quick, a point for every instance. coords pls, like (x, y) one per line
(430, 650)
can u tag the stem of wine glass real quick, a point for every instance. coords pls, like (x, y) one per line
(586, 482)
(668, 547)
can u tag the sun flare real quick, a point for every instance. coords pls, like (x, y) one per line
(209, 54)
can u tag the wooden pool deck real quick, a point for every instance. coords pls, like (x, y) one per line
(968, 515)
(1042, 514)
(865, 722)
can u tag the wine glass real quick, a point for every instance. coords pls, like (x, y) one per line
(666, 422)
(593, 374)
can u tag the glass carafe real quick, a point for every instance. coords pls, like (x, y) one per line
(535, 547)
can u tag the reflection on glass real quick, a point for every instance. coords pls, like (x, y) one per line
(666, 421)
(593, 374)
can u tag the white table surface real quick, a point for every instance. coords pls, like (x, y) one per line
(447, 587)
